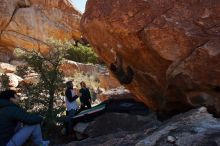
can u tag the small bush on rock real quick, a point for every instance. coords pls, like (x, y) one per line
(81, 53)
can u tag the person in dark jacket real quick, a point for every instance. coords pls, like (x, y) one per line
(11, 117)
(85, 96)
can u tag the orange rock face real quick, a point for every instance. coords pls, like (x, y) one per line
(106, 80)
(166, 52)
(30, 23)
(70, 68)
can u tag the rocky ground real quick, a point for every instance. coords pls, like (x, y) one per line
(193, 128)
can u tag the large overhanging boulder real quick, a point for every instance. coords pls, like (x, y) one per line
(29, 24)
(166, 52)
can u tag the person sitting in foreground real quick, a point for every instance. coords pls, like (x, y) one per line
(11, 134)
(85, 96)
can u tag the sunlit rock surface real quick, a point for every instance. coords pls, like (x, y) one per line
(98, 72)
(166, 52)
(7, 68)
(29, 24)
(118, 93)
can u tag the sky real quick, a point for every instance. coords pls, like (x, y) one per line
(80, 4)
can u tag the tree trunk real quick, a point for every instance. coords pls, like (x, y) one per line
(50, 106)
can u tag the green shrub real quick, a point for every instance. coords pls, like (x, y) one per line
(50, 83)
(81, 53)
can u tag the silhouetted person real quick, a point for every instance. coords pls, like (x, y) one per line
(85, 96)
(124, 76)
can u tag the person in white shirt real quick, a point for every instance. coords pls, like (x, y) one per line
(71, 105)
